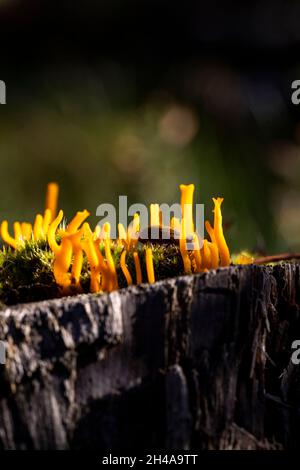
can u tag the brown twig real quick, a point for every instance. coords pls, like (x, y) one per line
(274, 258)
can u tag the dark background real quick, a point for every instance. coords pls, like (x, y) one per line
(135, 97)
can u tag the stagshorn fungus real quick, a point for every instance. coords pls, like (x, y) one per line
(79, 251)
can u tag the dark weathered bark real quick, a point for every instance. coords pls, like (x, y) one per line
(194, 362)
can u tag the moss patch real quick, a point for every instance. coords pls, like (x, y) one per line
(26, 274)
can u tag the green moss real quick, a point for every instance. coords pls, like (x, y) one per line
(26, 274)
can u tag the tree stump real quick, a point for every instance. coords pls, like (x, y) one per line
(196, 362)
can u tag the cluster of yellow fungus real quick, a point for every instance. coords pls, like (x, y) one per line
(79, 240)
(213, 253)
(73, 243)
(25, 231)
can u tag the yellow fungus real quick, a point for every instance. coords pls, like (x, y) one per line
(62, 263)
(18, 233)
(154, 215)
(38, 232)
(206, 255)
(77, 221)
(93, 260)
(124, 268)
(106, 230)
(149, 266)
(51, 198)
(187, 194)
(122, 232)
(210, 231)
(132, 231)
(197, 253)
(214, 255)
(122, 238)
(218, 231)
(75, 240)
(79, 242)
(136, 222)
(97, 232)
(99, 254)
(183, 249)
(86, 230)
(102, 269)
(26, 230)
(109, 272)
(214, 250)
(77, 267)
(47, 220)
(91, 253)
(7, 238)
(138, 271)
(52, 232)
(110, 265)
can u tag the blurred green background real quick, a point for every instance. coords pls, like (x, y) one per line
(124, 98)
